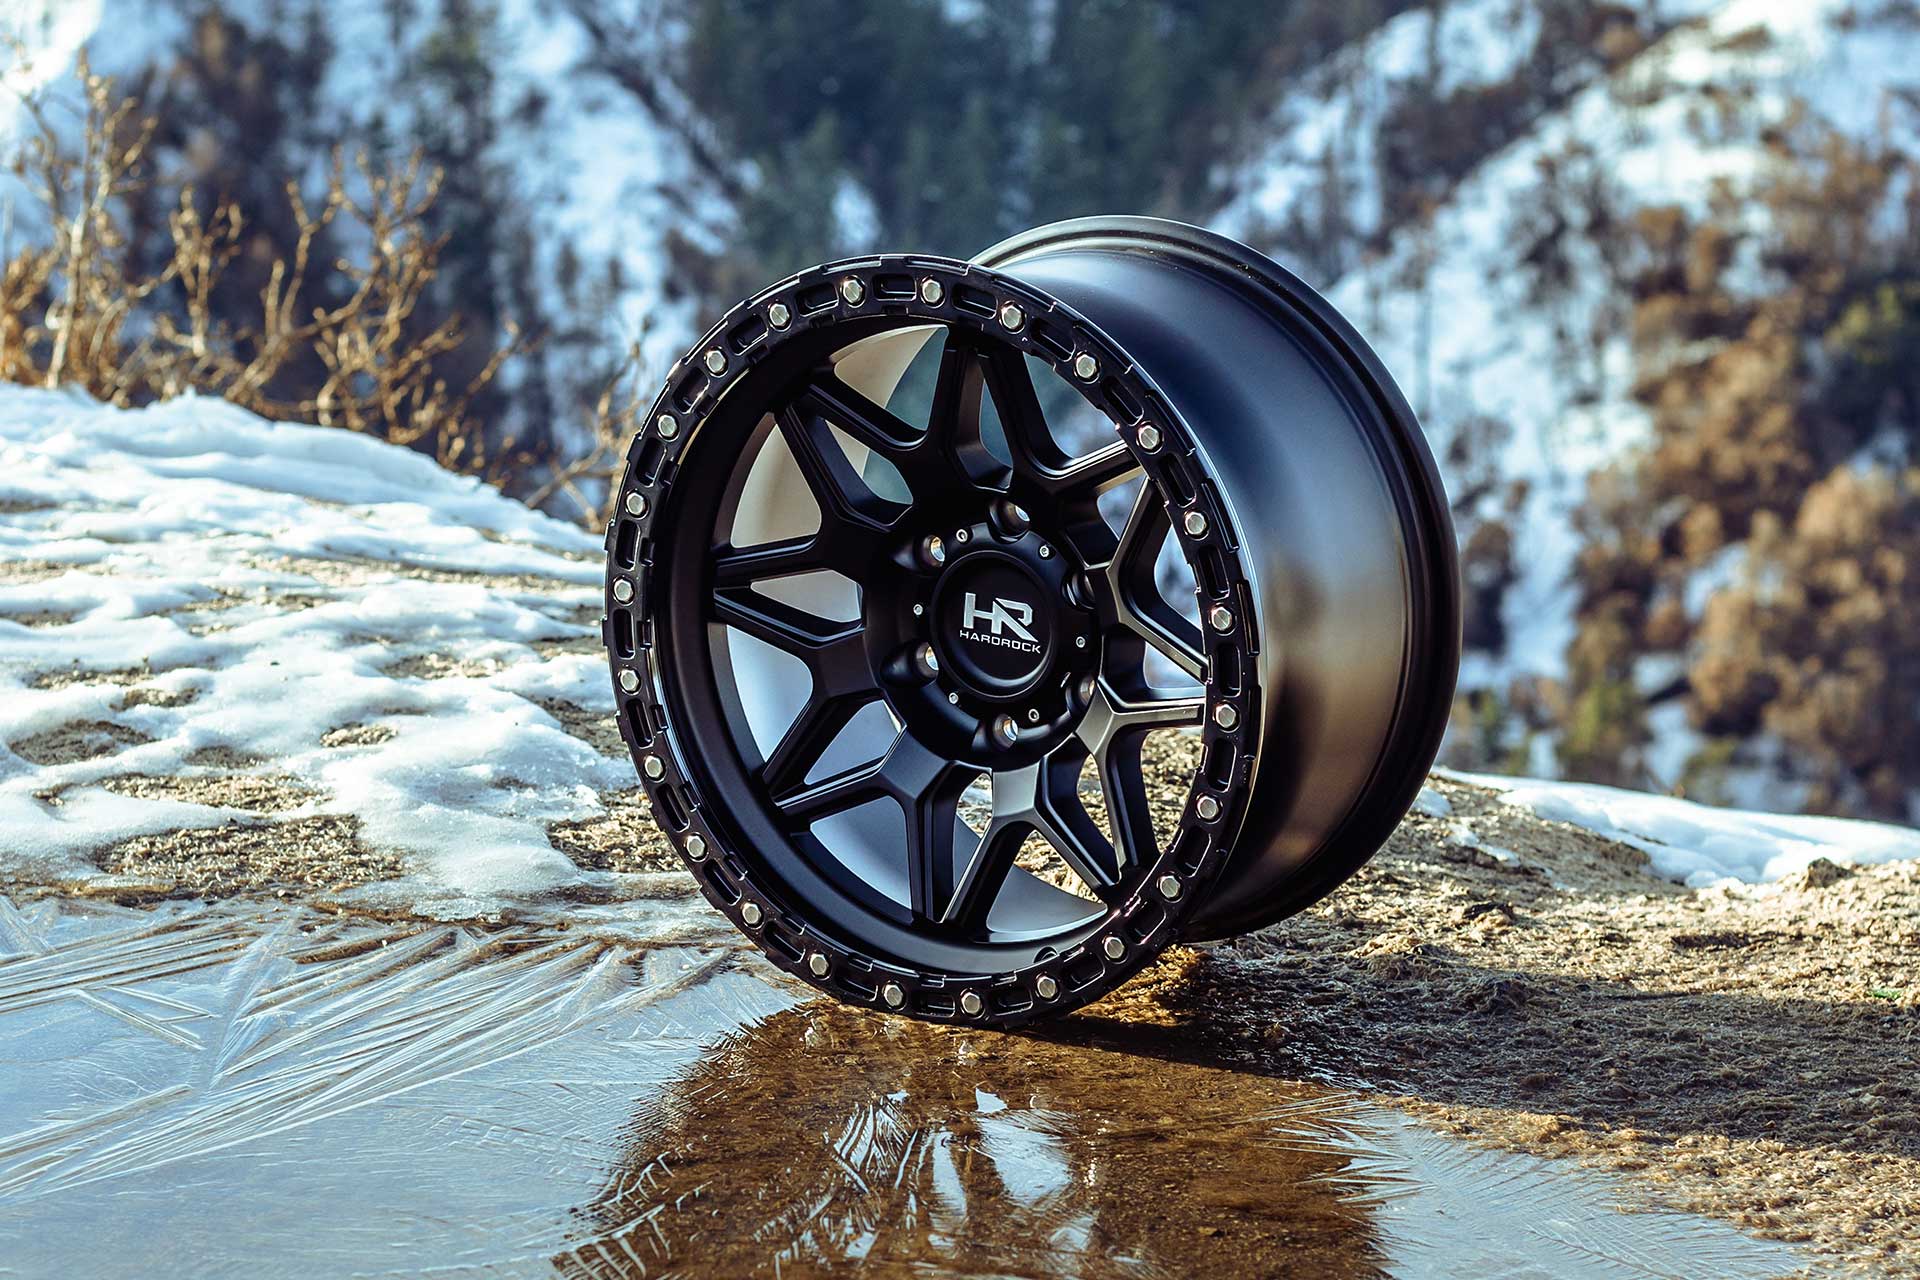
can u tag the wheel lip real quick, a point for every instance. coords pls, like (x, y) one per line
(1191, 859)
(1431, 672)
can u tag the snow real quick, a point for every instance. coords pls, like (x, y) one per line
(598, 178)
(1700, 845)
(275, 583)
(1450, 307)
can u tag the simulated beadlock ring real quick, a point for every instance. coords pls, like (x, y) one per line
(980, 628)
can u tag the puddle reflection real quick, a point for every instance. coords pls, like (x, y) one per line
(826, 1136)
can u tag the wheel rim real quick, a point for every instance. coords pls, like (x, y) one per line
(813, 697)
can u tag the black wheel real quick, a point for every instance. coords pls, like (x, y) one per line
(980, 628)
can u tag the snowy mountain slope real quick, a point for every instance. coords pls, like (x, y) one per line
(1315, 184)
(599, 180)
(1479, 340)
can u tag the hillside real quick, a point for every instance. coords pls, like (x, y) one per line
(287, 669)
(1506, 307)
(1592, 241)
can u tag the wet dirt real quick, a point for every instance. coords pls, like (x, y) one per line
(241, 1088)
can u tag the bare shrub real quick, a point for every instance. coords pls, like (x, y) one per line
(1784, 420)
(86, 312)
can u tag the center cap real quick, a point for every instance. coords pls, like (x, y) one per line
(994, 623)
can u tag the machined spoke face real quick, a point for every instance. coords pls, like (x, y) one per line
(919, 456)
(810, 638)
(1137, 604)
(846, 500)
(1113, 732)
(1043, 799)
(744, 566)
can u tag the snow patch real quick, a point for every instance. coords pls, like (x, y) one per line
(263, 586)
(1697, 844)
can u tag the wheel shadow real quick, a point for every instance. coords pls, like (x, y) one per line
(1434, 1024)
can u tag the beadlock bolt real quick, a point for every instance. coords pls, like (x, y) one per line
(696, 848)
(1012, 317)
(817, 965)
(716, 361)
(622, 590)
(919, 611)
(636, 504)
(1045, 987)
(1085, 367)
(1220, 618)
(971, 1004)
(1147, 437)
(629, 682)
(654, 769)
(1113, 949)
(1225, 716)
(853, 291)
(1169, 888)
(1195, 524)
(893, 995)
(931, 292)
(963, 535)
(751, 914)
(1207, 807)
(778, 316)
(954, 698)
(1046, 552)
(1033, 715)
(1079, 642)
(666, 427)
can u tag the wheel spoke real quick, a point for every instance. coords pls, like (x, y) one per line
(954, 421)
(1092, 474)
(740, 566)
(1135, 599)
(845, 498)
(978, 881)
(779, 624)
(1031, 445)
(1113, 731)
(845, 790)
(1044, 798)
(819, 723)
(1044, 474)
(928, 788)
(873, 426)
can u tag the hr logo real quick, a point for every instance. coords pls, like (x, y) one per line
(1002, 617)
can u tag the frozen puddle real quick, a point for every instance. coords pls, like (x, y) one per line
(242, 1090)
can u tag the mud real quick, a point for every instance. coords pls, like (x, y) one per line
(623, 839)
(323, 852)
(84, 740)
